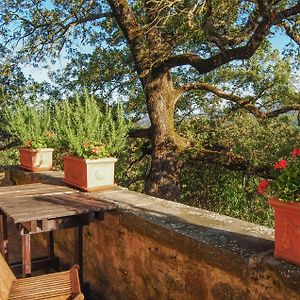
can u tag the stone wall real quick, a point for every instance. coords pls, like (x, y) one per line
(151, 248)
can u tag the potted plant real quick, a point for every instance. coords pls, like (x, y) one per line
(91, 137)
(29, 123)
(93, 170)
(284, 196)
(36, 156)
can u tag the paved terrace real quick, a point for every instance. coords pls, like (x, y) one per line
(151, 248)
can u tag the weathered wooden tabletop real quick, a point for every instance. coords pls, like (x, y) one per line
(33, 202)
(42, 207)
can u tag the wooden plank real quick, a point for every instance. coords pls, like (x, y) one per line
(51, 286)
(60, 213)
(8, 199)
(57, 223)
(4, 236)
(33, 186)
(29, 208)
(75, 281)
(79, 250)
(34, 191)
(27, 217)
(90, 200)
(63, 200)
(50, 214)
(83, 203)
(44, 224)
(51, 207)
(26, 255)
(6, 278)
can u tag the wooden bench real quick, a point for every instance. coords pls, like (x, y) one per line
(55, 286)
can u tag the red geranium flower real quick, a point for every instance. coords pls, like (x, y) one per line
(296, 152)
(282, 164)
(262, 186)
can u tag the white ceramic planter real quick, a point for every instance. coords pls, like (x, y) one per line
(89, 174)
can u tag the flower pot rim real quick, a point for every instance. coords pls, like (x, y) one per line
(36, 150)
(276, 202)
(91, 161)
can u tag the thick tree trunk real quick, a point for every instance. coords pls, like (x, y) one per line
(163, 178)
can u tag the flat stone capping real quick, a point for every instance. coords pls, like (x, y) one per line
(240, 248)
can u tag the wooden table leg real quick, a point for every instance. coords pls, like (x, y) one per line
(4, 237)
(79, 250)
(26, 255)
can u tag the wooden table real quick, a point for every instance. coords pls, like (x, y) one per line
(38, 207)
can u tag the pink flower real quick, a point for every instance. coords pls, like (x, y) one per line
(296, 152)
(262, 186)
(282, 164)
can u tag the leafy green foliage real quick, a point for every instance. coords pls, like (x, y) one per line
(86, 131)
(214, 187)
(29, 123)
(133, 165)
(286, 184)
(224, 191)
(9, 157)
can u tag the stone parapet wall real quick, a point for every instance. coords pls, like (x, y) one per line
(151, 248)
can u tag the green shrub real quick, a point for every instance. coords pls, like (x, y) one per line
(84, 130)
(28, 123)
(9, 157)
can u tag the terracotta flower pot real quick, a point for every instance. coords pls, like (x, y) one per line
(36, 160)
(89, 174)
(287, 230)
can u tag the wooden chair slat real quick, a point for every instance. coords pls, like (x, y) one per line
(56, 286)
(65, 296)
(6, 278)
(21, 289)
(60, 275)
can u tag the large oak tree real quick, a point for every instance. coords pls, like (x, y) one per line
(199, 37)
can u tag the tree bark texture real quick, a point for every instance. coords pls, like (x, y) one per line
(163, 178)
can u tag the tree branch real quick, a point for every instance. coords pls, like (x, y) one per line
(204, 66)
(290, 32)
(246, 102)
(131, 29)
